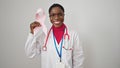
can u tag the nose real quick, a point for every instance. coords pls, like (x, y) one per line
(56, 17)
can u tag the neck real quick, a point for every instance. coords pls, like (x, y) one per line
(58, 32)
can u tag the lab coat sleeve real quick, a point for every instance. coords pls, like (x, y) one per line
(78, 56)
(34, 43)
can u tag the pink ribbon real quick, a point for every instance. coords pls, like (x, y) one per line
(40, 17)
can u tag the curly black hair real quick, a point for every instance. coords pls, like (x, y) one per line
(56, 5)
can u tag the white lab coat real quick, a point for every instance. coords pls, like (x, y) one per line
(71, 58)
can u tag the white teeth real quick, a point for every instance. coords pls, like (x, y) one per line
(56, 22)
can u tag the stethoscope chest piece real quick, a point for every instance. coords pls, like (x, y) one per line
(44, 48)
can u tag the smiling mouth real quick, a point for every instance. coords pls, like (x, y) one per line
(56, 22)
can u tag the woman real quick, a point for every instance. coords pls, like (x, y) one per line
(61, 48)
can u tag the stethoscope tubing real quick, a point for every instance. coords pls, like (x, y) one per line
(65, 35)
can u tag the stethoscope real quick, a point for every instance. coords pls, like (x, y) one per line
(41, 19)
(66, 37)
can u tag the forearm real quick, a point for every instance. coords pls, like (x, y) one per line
(33, 44)
(78, 55)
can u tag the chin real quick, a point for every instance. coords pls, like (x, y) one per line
(57, 24)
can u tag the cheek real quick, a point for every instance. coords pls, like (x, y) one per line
(51, 20)
(62, 19)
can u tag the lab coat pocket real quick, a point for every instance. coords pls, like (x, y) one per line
(67, 49)
(67, 57)
(67, 52)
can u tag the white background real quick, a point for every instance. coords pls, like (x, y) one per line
(97, 21)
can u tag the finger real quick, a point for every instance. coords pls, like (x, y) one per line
(38, 23)
(32, 25)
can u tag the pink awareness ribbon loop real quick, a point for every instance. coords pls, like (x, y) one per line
(40, 17)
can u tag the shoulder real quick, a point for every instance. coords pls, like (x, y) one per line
(72, 32)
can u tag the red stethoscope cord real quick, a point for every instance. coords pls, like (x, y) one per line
(65, 35)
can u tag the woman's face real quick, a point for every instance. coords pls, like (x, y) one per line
(56, 16)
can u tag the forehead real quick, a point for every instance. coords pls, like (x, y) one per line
(56, 10)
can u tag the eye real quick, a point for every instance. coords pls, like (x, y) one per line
(52, 15)
(60, 14)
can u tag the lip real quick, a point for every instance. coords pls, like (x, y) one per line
(56, 22)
